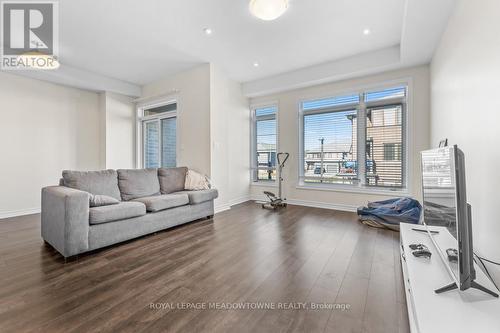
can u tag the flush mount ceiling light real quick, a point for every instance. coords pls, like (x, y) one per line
(268, 10)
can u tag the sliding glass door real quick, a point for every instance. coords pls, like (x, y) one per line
(159, 137)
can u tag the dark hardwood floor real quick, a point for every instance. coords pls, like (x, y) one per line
(246, 256)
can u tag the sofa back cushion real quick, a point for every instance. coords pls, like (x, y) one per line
(103, 182)
(172, 179)
(138, 183)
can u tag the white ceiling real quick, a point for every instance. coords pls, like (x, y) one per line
(141, 41)
(120, 45)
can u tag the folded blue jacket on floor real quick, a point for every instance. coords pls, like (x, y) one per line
(392, 211)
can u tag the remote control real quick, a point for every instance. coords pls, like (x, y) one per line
(452, 255)
(422, 253)
(418, 247)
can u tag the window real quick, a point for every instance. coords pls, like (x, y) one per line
(356, 140)
(160, 109)
(151, 144)
(159, 136)
(264, 144)
(329, 149)
(392, 151)
(384, 128)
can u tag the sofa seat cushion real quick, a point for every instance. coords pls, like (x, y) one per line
(196, 197)
(103, 182)
(121, 211)
(138, 183)
(172, 179)
(162, 202)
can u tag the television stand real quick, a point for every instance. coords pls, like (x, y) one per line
(473, 284)
(451, 286)
(471, 310)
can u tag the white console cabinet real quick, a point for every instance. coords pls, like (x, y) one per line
(453, 311)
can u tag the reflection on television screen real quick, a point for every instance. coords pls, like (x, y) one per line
(439, 192)
(442, 216)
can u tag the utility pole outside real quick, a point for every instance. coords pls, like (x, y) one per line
(322, 140)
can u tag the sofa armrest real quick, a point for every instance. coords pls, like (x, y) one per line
(65, 219)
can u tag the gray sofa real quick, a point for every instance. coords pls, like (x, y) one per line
(137, 202)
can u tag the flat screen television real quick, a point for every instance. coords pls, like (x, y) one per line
(445, 206)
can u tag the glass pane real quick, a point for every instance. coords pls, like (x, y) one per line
(385, 94)
(265, 111)
(266, 175)
(151, 145)
(330, 148)
(384, 152)
(330, 102)
(168, 142)
(266, 149)
(160, 109)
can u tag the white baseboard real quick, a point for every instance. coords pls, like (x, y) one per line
(239, 200)
(227, 206)
(217, 208)
(20, 212)
(325, 205)
(315, 204)
(221, 208)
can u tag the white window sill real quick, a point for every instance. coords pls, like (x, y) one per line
(352, 189)
(264, 184)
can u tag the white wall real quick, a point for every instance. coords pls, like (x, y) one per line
(465, 80)
(239, 145)
(230, 139)
(193, 115)
(419, 106)
(118, 124)
(45, 128)
(213, 128)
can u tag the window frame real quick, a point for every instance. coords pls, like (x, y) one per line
(406, 121)
(253, 140)
(141, 120)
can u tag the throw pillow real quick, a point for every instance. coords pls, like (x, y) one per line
(196, 181)
(101, 200)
